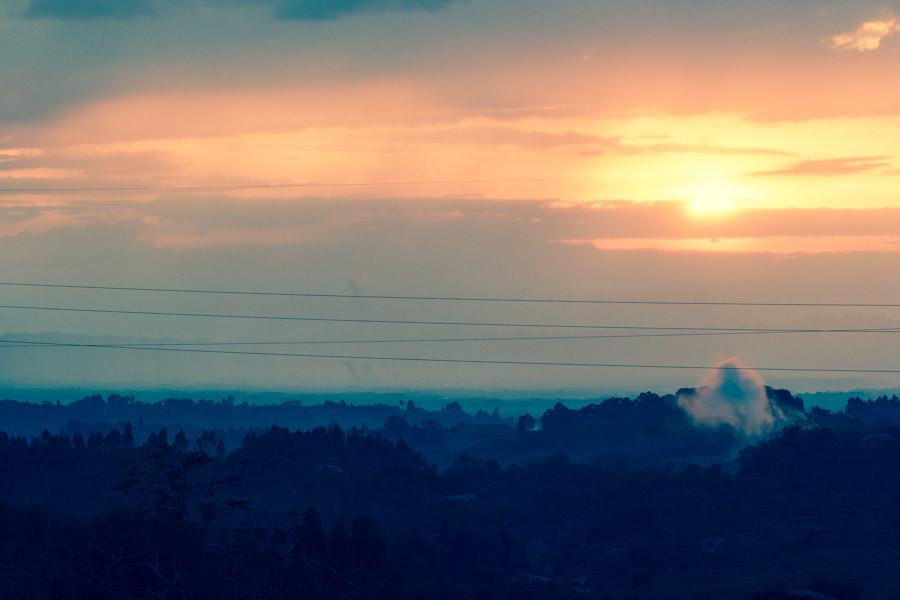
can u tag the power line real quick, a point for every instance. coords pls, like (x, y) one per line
(459, 360)
(9, 344)
(450, 298)
(299, 184)
(439, 323)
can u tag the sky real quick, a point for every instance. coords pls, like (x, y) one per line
(650, 150)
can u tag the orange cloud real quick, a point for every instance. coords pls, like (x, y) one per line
(867, 37)
(765, 245)
(831, 166)
(179, 221)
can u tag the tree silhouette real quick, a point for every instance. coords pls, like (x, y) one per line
(525, 423)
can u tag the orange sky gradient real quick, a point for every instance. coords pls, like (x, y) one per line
(565, 148)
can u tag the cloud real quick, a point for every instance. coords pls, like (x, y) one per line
(288, 10)
(326, 10)
(662, 148)
(671, 227)
(93, 163)
(732, 395)
(586, 144)
(522, 138)
(489, 69)
(82, 10)
(867, 37)
(784, 245)
(255, 219)
(849, 165)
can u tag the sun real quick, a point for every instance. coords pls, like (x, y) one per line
(712, 196)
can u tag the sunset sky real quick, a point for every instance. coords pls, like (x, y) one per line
(652, 149)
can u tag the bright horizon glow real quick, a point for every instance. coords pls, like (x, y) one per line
(712, 196)
(783, 245)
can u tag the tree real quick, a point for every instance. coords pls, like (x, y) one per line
(338, 549)
(525, 423)
(366, 543)
(181, 441)
(309, 538)
(128, 437)
(454, 409)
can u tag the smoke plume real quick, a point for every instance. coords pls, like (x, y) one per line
(732, 395)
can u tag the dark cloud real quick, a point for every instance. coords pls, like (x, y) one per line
(288, 10)
(89, 9)
(325, 10)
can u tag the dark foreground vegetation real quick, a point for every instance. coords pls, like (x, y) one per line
(622, 499)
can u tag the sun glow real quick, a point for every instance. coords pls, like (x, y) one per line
(712, 196)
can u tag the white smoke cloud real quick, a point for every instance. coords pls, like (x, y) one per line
(733, 395)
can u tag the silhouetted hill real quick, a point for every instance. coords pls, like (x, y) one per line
(333, 513)
(623, 498)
